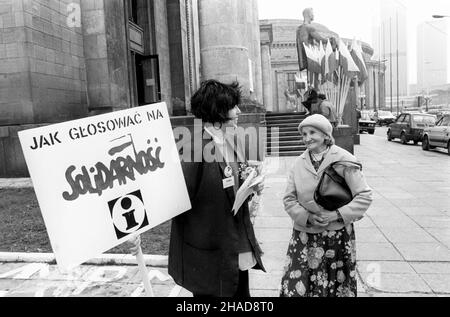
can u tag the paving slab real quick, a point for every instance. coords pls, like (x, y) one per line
(377, 252)
(396, 282)
(394, 221)
(273, 235)
(265, 282)
(369, 235)
(412, 294)
(365, 222)
(407, 235)
(424, 251)
(439, 233)
(274, 222)
(259, 293)
(367, 267)
(439, 283)
(399, 202)
(421, 211)
(431, 267)
(384, 211)
(433, 221)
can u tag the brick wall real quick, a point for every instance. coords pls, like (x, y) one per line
(15, 90)
(43, 72)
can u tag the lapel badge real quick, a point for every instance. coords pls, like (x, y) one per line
(228, 172)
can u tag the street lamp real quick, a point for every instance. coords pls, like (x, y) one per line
(379, 82)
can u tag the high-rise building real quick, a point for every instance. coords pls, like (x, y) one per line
(432, 55)
(391, 46)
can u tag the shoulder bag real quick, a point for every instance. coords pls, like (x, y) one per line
(332, 192)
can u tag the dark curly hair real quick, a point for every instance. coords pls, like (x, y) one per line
(213, 100)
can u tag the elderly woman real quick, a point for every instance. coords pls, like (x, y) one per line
(321, 257)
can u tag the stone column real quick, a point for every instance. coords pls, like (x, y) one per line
(106, 54)
(223, 46)
(266, 39)
(256, 35)
(266, 77)
(179, 59)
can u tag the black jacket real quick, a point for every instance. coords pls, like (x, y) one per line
(204, 243)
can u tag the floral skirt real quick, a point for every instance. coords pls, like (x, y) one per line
(321, 265)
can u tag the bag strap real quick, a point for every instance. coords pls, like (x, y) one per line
(341, 163)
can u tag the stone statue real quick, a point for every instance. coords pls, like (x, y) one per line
(291, 100)
(312, 33)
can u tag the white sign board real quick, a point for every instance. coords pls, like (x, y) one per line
(102, 178)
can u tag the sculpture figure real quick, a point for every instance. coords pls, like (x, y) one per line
(312, 33)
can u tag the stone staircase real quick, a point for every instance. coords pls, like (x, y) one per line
(288, 138)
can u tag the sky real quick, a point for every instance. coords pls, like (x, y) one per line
(355, 18)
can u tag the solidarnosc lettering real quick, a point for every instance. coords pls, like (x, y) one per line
(117, 171)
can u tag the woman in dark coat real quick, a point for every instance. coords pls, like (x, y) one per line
(211, 247)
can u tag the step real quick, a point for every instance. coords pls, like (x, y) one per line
(283, 134)
(285, 154)
(285, 114)
(293, 125)
(285, 138)
(284, 128)
(286, 142)
(281, 121)
(287, 148)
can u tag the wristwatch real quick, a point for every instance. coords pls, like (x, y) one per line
(340, 219)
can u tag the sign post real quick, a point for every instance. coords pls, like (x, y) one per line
(143, 268)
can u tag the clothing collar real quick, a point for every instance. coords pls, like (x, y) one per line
(221, 139)
(329, 158)
(217, 134)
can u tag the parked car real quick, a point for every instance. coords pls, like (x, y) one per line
(410, 127)
(366, 123)
(384, 117)
(438, 136)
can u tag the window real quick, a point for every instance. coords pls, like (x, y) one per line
(365, 116)
(291, 82)
(147, 79)
(401, 118)
(445, 122)
(132, 10)
(424, 119)
(407, 119)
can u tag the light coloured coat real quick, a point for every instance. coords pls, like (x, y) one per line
(302, 182)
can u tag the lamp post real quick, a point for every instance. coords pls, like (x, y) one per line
(425, 84)
(379, 82)
(398, 80)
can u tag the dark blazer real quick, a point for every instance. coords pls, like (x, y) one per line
(204, 242)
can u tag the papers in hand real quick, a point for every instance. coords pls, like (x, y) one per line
(257, 181)
(246, 190)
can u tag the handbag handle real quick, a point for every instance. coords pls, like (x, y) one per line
(340, 162)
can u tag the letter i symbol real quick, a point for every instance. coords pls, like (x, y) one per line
(129, 216)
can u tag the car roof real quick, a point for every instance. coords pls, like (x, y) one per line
(418, 113)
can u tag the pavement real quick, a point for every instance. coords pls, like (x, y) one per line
(403, 243)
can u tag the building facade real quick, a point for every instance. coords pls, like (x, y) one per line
(390, 42)
(62, 60)
(432, 55)
(280, 68)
